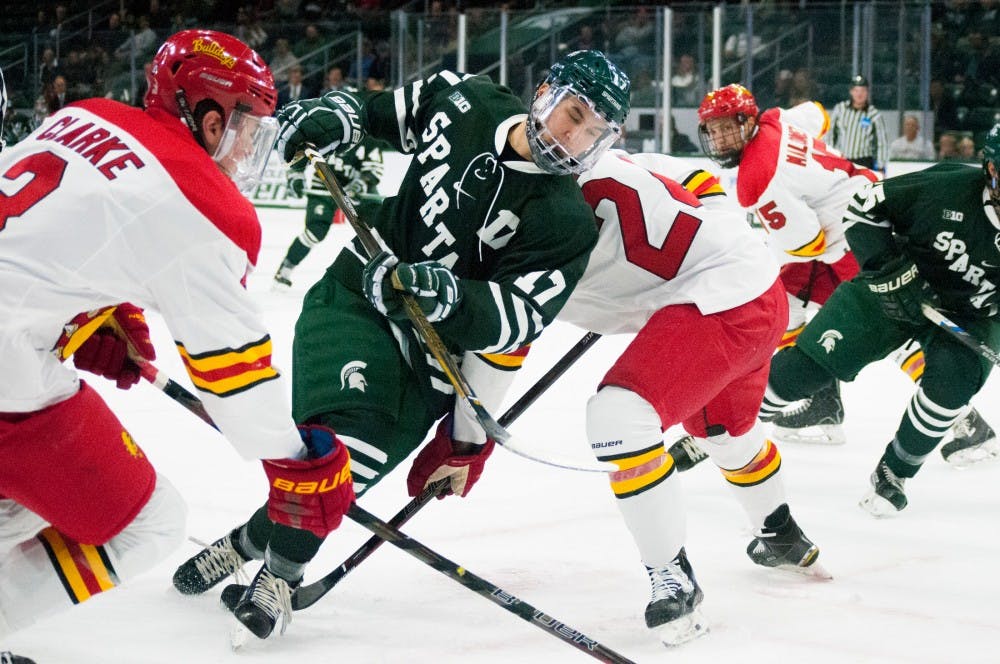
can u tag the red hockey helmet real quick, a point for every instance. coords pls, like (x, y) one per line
(724, 123)
(727, 102)
(206, 64)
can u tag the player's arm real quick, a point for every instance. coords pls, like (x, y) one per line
(792, 226)
(810, 116)
(869, 229)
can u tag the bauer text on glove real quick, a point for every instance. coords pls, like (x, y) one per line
(313, 493)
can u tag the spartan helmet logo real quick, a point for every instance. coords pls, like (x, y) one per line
(829, 339)
(351, 377)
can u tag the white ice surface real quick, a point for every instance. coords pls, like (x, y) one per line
(920, 588)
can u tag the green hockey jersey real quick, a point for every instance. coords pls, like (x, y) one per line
(517, 238)
(943, 220)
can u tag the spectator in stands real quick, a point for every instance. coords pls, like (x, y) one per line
(56, 97)
(944, 107)
(967, 149)
(111, 35)
(982, 62)
(249, 29)
(948, 146)
(803, 88)
(585, 40)
(988, 16)
(139, 44)
(159, 16)
(911, 144)
(334, 80)
(282, 60)
(686, 86)
(296, 88)
(48, 68)
(633, 43)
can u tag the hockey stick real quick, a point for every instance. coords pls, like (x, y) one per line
(463, 391)
(309, 594)
(959, 333)
(484, 588)
(481, 586)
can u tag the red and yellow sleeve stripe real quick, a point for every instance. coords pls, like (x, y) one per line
(826, 120)
(230, 371)
(511, 361)
(762, 467)
(812, 248)
(83, 569)
(913, 365)
(703, 184)
(639, 471)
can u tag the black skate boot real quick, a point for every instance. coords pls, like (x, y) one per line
(686, 454)
(266, 600)
(231, 595)
(673, 611)
(7, 657)
(782, 544)
(211, 566)
(886, 497)
(819, 420)
(974, 441)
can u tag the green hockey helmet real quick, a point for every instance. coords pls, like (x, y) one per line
(599, 92)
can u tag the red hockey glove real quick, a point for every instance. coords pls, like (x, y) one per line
(438, 460)
(314, 493)
(108, 352)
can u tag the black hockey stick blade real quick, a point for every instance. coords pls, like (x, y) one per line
(309, 594)
(484, 588)
(959, 333)
(463, 391)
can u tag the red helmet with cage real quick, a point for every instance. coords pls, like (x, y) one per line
(728, 102)
(206, 64)
(724, 123)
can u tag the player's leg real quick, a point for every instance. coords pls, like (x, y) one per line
(952, 376)
(350, 375)
(105, 514)
(319, 216)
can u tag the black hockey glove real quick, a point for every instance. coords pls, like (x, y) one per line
(331, 123)
(434, 287)
(900, 290)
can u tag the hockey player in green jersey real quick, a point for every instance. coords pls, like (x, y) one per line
(929, 236)
(358, 171)
(489, 232)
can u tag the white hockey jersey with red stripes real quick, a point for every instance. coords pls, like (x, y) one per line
(797, 186)
(660, 244)
(105, 203)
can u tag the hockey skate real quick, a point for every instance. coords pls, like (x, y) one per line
(213, 564)
(782, 544)
(283, 277)
(672, 612)
(974, 441)
(266, 600)
(7, 657)
(819, 420)
(886, 497)
(686, 454)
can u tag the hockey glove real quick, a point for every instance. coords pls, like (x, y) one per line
(296, 181)
(331, 123)
(434, 287)
(439, 460)
(313, 493)
(354, 188)
(900, 290)
(110, 350)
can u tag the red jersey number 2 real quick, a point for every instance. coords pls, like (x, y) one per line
(663, 261)
(47, 169)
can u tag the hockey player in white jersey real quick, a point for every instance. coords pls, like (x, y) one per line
(799, 190)
(702, 295)
(106, 205)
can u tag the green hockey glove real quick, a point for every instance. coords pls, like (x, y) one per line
(354, 188)
(331, 123)
(434, 287)
(900, 290)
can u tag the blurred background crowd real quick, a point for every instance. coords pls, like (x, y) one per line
(933, 67)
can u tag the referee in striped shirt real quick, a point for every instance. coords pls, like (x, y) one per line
(857, 129)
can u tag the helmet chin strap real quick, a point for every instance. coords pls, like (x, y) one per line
(188, 117)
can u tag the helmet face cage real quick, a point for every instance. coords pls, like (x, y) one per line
(244, 148)
(573, 142)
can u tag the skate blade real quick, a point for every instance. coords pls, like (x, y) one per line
(808, 566)
(238, 637)
(820, 434)
(970, 456)
(877, 506)
(682, 630)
